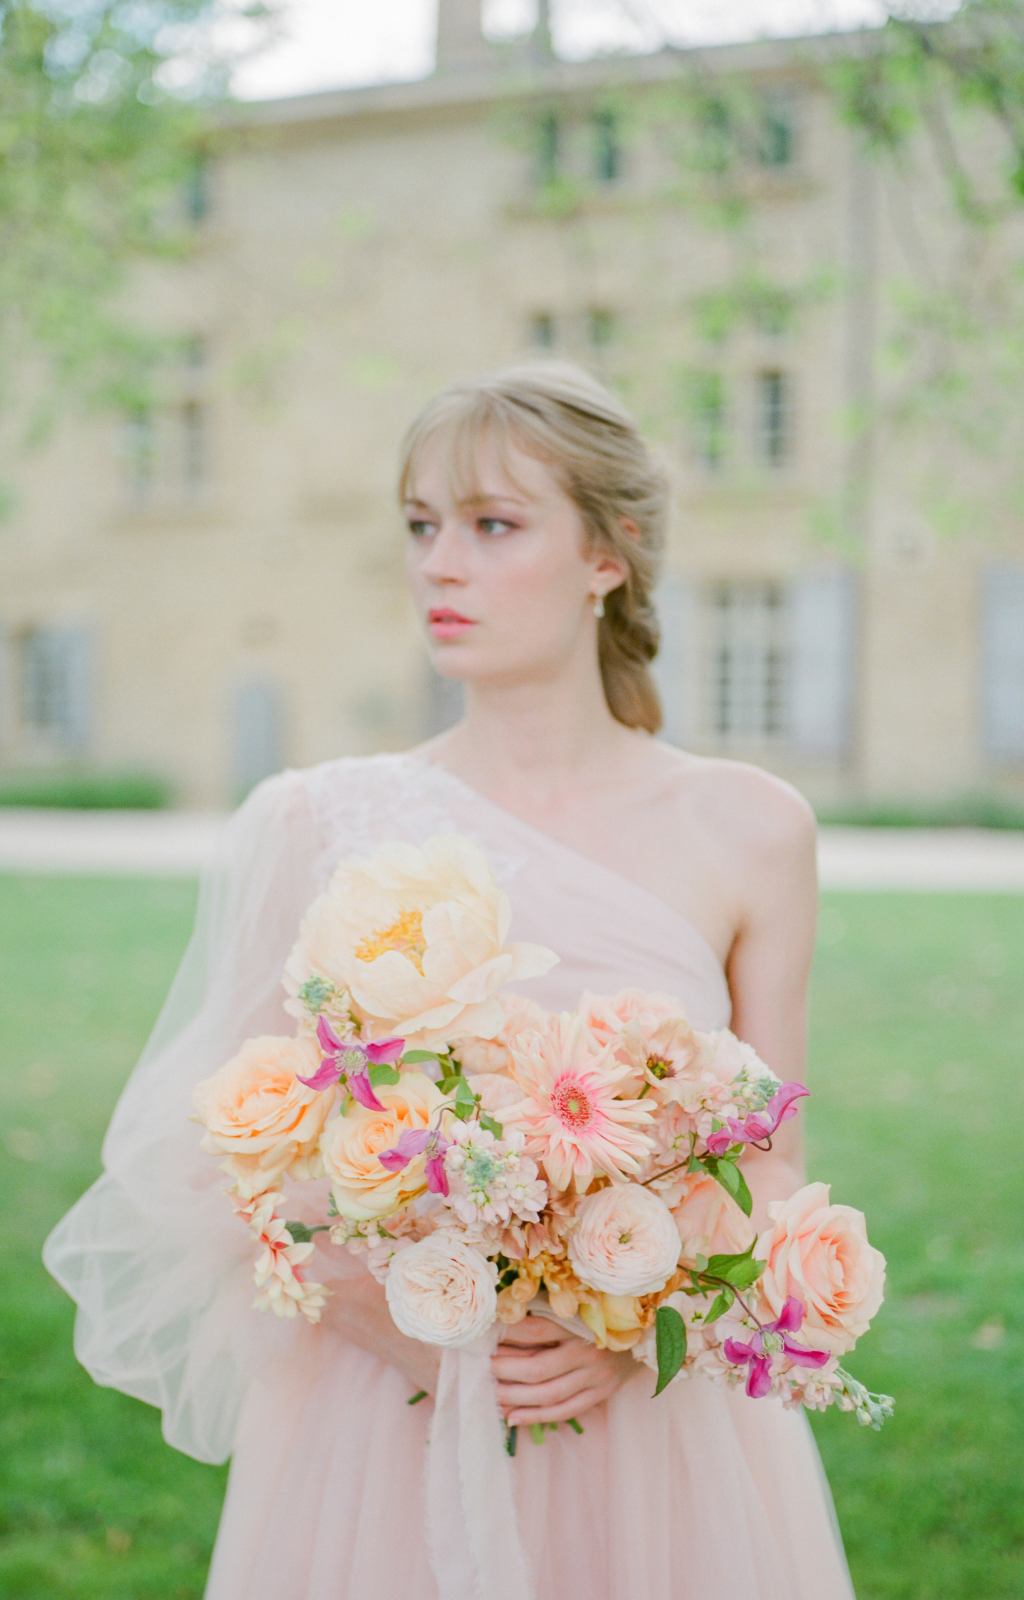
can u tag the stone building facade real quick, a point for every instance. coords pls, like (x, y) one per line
(214, 588)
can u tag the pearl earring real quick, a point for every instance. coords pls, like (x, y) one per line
(599, 606)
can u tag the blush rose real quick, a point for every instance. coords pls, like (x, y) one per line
(820, 1253)
(442, 1291)
(709, 1221)
(625, 1241)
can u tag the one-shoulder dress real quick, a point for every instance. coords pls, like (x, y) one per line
(700, 1493)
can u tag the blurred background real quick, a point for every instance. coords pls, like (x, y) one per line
(239, 246)
(798, 258)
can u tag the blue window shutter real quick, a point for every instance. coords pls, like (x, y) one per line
(1002, 662)
(77, 656)
(675, 666)
(257, 733)
(822, 661)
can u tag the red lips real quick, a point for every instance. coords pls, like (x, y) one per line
(446, 614)
(448, 624)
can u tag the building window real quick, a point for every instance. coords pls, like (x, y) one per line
(747, 661)
(197, 190)
(193, 445)
(549, 143)
(257, 733)
(54, 686)
(1002, 663)
(774, 417)
(600, 329)
(543, 331)
(777, 136)
(607, 149)
(140, 453)
(709, 419)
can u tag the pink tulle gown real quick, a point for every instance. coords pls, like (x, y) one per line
(699, 1494)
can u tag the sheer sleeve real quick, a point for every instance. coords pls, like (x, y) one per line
(158, 1264)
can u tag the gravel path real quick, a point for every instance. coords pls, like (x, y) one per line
(179, 843)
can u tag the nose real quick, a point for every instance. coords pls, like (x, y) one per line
(445, 559)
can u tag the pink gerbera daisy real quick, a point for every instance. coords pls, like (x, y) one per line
(571, 1116)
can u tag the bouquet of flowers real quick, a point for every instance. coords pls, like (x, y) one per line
(489, 1159)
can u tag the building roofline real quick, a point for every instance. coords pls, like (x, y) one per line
(518, 79)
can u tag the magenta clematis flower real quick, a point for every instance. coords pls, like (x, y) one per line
(760, 1124)
(351, 1062)
(413, 1142)
(773, 1339)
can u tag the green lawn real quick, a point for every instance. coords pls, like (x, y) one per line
(919, 1018)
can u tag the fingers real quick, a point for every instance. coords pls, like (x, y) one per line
(577, 1406)
(537, 1365)
(520, 1396)
(536, 1330)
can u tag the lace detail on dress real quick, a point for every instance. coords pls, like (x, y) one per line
(359, 802)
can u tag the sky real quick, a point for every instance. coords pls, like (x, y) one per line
(330, 44)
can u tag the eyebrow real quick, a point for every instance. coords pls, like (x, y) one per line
(470, 500)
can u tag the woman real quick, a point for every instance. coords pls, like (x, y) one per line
(536, 520)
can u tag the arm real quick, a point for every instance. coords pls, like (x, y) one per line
(769, 968)
(360, 1315)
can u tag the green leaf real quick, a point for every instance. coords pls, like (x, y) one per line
(449, 1085)
(719, 1306)
(414, 1399)
(740, 1271)
(301, 1233)
(412, 1056)
(537, 1432)
(719, 1265)
(381, 1072)
(488, 1122)
(574, 1425)
(670, 1344)
(744, 1198)
(732, 1180)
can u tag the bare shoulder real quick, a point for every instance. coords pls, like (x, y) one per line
(753, 815)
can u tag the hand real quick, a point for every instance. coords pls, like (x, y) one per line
(544, 1373)
(358, 1311)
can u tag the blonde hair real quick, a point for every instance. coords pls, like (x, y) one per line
(559, 413)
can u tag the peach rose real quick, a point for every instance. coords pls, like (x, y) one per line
(625, 1241)
(709, 1221)
(351, 1145)
(820, 1253)
(256, 1112)
(442, 1291)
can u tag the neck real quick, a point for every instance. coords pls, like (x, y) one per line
(537, 740)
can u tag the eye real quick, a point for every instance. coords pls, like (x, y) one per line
(494, 525)
(420, 530)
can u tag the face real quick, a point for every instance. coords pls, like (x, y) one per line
(503, 583)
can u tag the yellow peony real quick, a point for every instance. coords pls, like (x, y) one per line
(417, 937)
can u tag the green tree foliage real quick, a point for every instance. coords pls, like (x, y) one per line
(104, 109)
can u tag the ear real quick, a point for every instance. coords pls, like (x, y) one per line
(611, 570)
